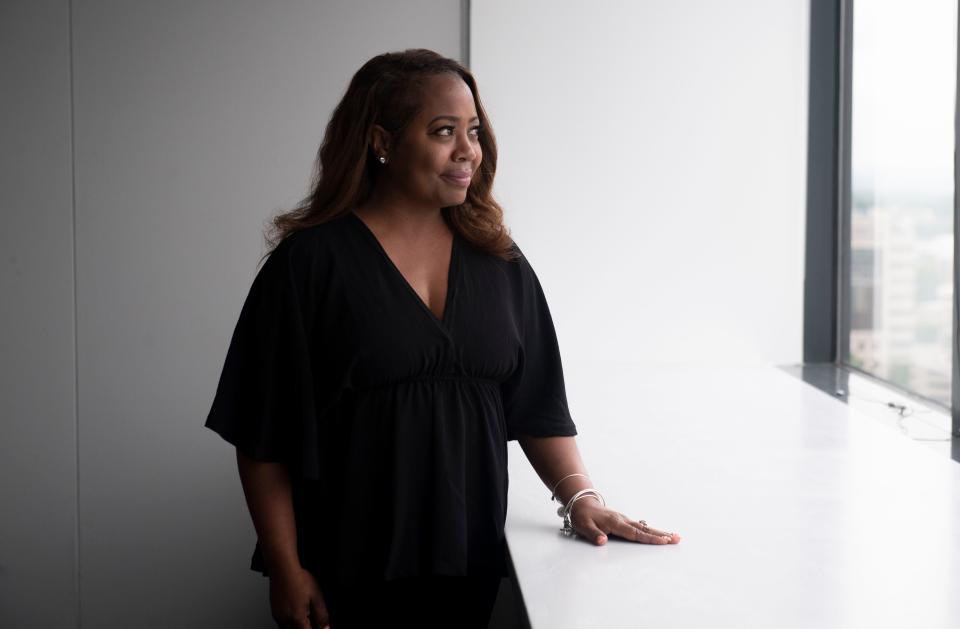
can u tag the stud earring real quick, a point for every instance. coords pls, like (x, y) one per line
(383, 159)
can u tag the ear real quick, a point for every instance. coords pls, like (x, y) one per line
(380, 141)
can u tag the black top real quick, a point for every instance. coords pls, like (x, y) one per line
(392, 422)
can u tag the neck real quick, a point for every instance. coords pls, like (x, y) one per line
(395, 213)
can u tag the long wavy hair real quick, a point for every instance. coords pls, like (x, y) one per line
(386, 91)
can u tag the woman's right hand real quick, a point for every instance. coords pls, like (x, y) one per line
(296, 601)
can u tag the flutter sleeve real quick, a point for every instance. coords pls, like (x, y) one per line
(534, 397)
(265, 403)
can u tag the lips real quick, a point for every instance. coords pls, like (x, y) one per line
(459, 178)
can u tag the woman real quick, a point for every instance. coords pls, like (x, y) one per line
(390, 346)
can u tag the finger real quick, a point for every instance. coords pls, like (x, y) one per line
(318, 614)
(630, 530)
(303, 622)
(643, 527)
(592, 532)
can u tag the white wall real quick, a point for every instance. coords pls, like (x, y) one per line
(652, 165)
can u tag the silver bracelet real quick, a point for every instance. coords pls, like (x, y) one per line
(553, 494)
(564, 511)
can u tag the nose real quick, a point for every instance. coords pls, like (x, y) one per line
(465, 151)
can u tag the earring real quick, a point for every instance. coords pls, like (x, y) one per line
(383, 159)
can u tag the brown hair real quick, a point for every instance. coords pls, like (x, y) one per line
(386, 91)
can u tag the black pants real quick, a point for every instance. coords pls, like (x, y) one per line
(422, 602)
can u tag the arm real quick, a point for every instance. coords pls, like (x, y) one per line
(295, 596)
(555, 457)
(267, 490)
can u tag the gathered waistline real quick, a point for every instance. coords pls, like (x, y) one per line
(430, 378)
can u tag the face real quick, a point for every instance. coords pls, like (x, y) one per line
(436, 156)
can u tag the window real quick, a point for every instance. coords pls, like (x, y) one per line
(898, 243)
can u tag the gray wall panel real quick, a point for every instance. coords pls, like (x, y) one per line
(37, 370)
(195, 121)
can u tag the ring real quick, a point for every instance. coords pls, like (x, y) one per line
(643, 525)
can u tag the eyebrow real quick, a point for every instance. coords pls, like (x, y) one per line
(454, 118)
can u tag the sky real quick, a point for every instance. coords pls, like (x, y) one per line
(904, 90)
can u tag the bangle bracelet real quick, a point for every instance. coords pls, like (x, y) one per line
(553, 494)
(565, 510)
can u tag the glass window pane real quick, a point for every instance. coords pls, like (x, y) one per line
(901, 238)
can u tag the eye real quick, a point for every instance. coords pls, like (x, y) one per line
(475, 131)
(445, 130)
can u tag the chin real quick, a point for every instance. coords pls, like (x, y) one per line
(455, 200)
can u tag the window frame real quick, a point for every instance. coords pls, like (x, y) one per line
(826, 320)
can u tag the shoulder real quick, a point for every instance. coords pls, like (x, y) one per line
(514, 271)
(304, 248)
(524, 277)
(509, 270)
(518, 264)
(512, 261)
(327, 234)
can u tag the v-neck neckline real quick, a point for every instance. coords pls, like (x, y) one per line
(451, 269)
